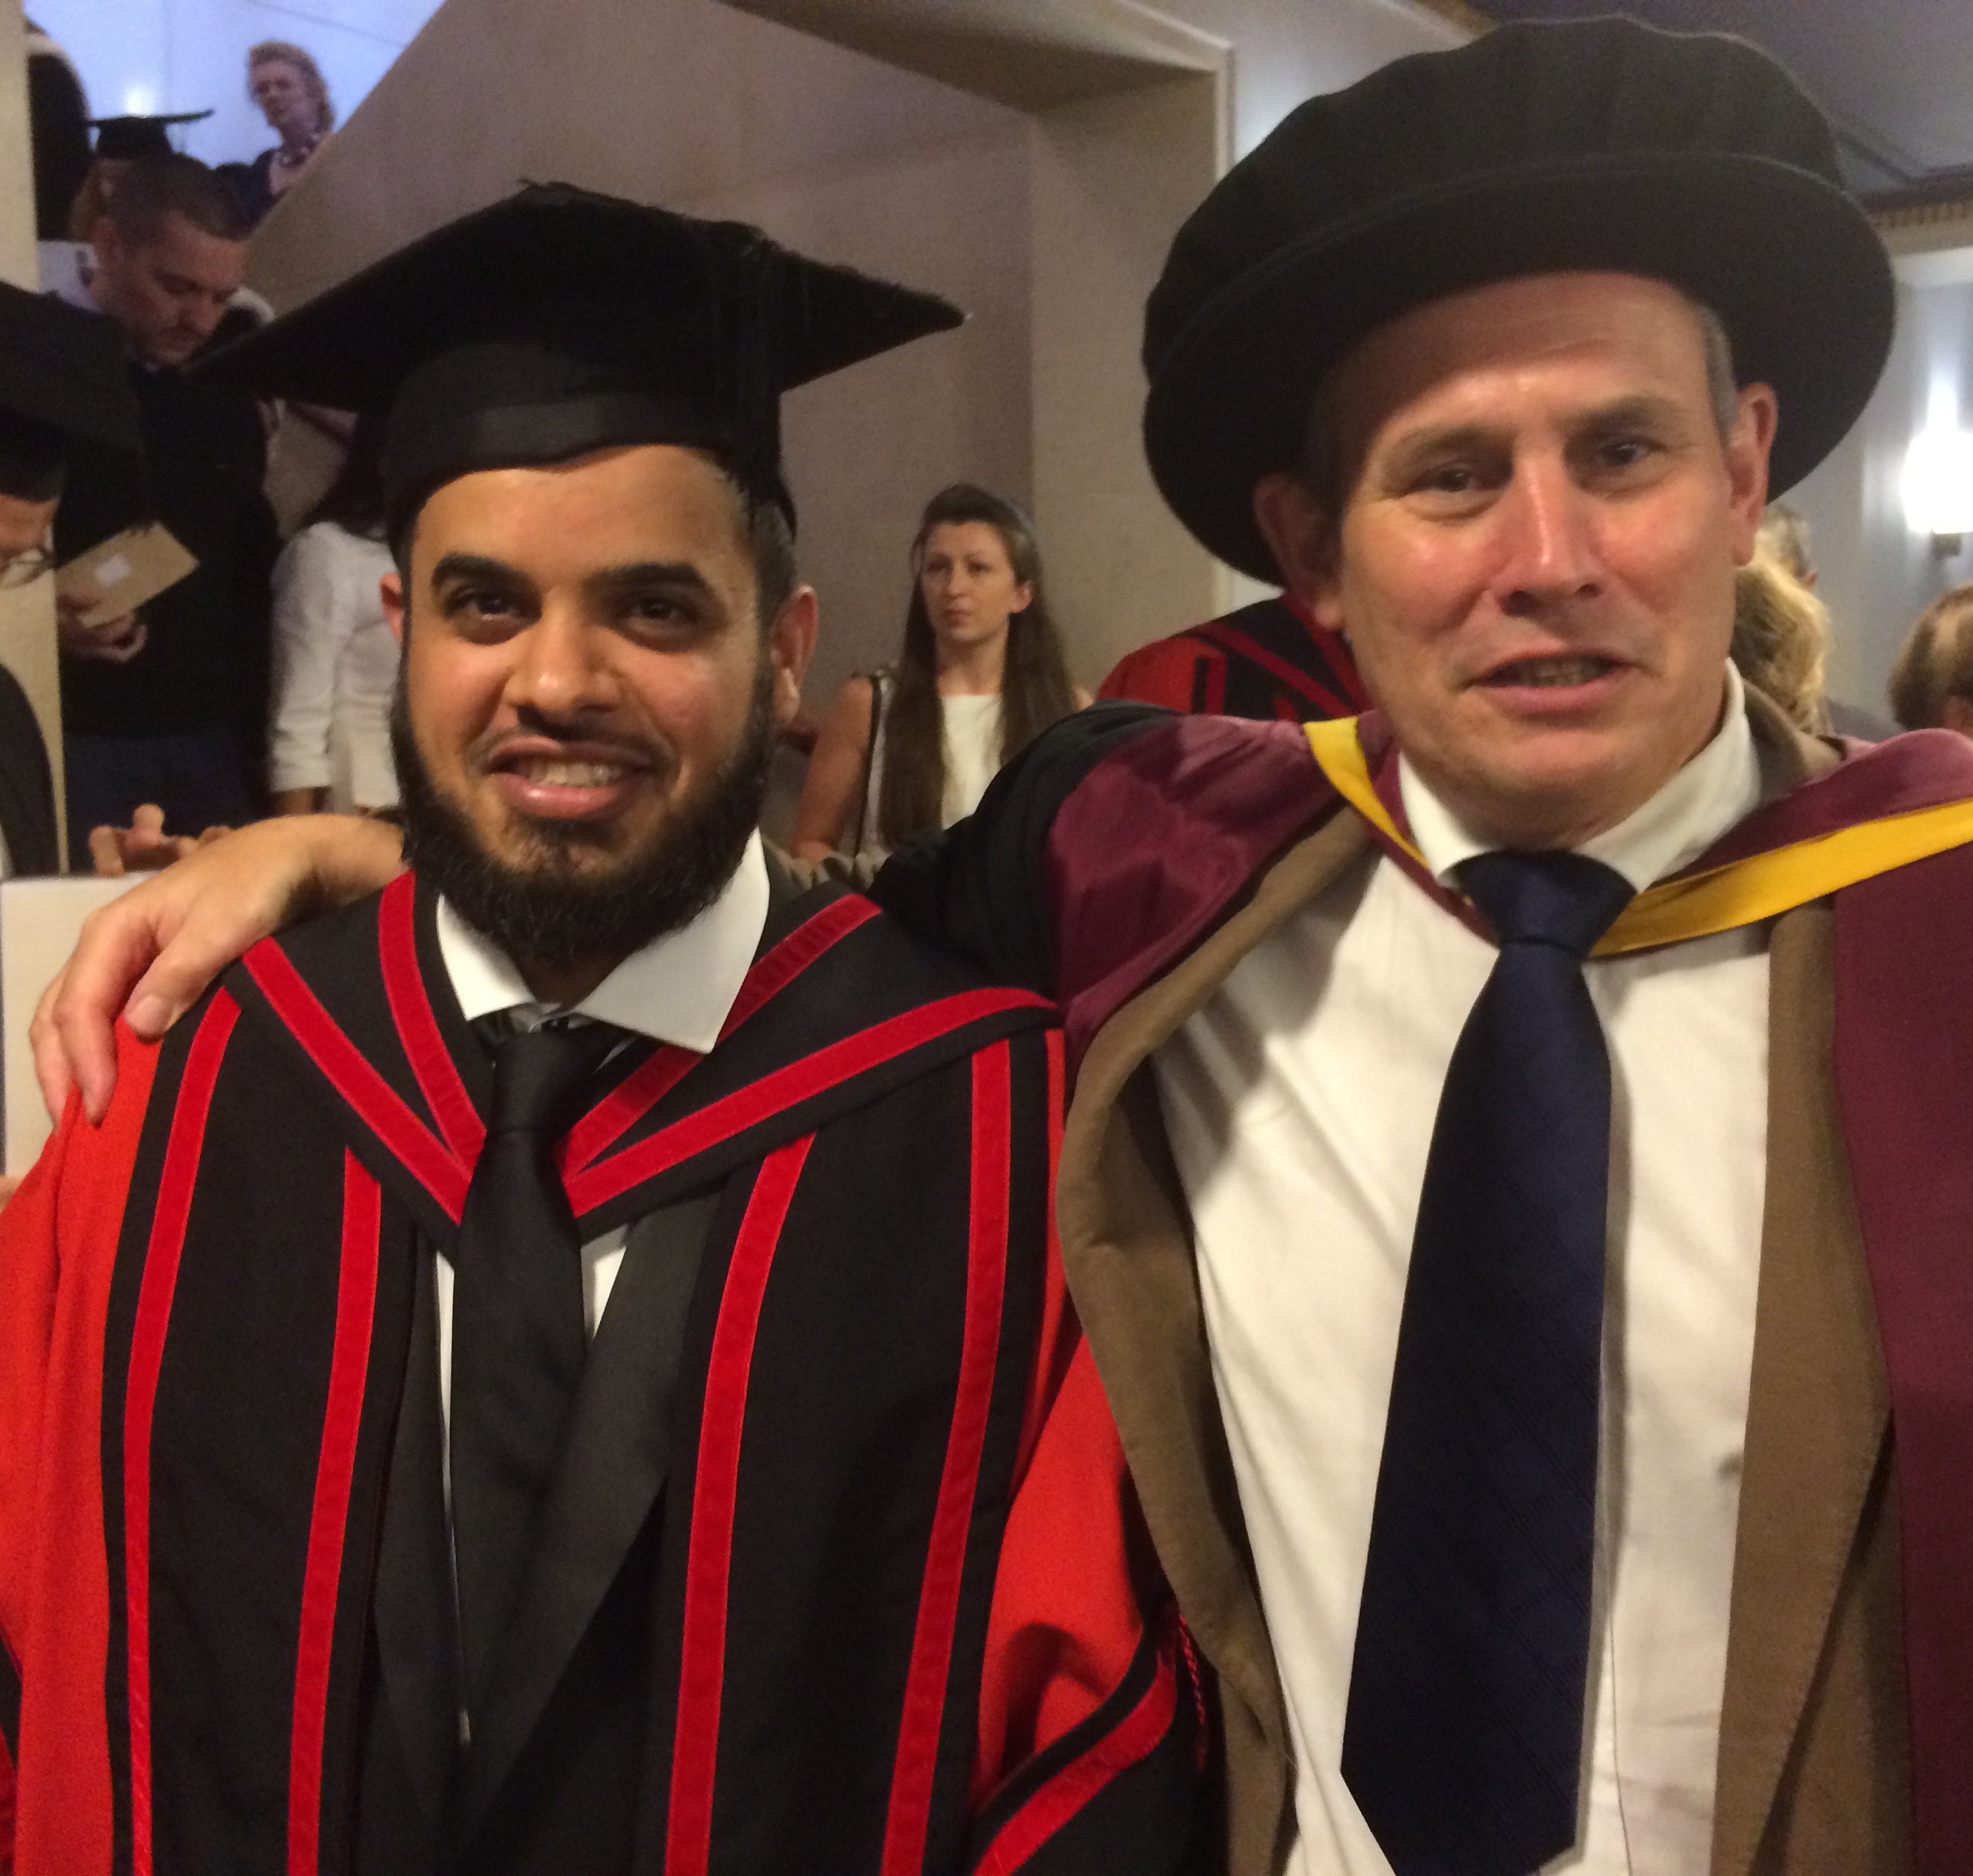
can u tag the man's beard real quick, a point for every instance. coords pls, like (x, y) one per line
(556, 915)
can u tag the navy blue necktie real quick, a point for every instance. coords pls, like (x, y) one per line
(519, 1338)
(1462, 1742)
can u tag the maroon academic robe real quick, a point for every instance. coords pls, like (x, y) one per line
(1106, 854)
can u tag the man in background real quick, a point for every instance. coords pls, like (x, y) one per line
(171, 707)
(63, 387)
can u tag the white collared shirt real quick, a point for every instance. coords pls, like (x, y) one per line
(679, 988)
(1299, 1104)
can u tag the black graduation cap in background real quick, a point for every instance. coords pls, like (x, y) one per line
(559, 321)
(64, 377)
(124, 139)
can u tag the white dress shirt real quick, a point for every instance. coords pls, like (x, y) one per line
(680, 988)
(1300, 1103)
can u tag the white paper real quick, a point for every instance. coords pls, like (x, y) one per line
(111, 571)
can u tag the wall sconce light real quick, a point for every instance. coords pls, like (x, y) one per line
(1939, 487)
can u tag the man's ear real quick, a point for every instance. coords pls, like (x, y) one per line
(791, 643)
(1749, 444)
(390, 590)
(1301, 533)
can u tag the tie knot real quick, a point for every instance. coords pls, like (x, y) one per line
(1559, 899)
(536, 1073)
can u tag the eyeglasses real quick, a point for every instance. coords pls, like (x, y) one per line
(28, 565)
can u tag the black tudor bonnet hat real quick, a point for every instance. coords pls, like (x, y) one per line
(1591, 145)
(558, 322)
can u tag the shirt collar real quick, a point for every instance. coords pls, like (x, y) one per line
(678, 988)
(1719, 786)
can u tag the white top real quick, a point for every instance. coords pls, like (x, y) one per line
(680, 988)
(335, 661)
(972, 752)
(1300, 1103)
(972, 759)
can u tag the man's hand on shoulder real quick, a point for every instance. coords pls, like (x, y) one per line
(149, 955)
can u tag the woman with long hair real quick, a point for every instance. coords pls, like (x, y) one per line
(335, 658)
(981, 674)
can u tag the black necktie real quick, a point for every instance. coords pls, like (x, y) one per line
(1462, 1742)
(518, 1336)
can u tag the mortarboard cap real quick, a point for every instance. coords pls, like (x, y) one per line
(125, 140)
(63, 377)
(558, 322)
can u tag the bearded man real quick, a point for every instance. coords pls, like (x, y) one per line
(561, 1365)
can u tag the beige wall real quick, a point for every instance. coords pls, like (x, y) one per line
(1285, 50)
(27, 614)
(701, 107)
(1111, 177)
(1032, 162)
(866, 446)
(667, 100)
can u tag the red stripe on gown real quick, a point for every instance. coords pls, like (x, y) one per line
(719, 1120)
(910, 1811)
(627, 1104)
(417, 1028)
(376, 1104)
(356, 1305)
(715, 1490)
(1133, 1738)
(183, 1148)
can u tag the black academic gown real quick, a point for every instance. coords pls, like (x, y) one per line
(753, 1635)
(205, 663)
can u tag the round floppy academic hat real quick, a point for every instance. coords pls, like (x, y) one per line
(1592, 145)
(64, 378)
(127, 139)
(559, 321)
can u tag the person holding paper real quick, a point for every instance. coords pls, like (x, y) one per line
(172, 711)
(62, 384)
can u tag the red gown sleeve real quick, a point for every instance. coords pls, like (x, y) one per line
(1091, 1753)
(58, 1249)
